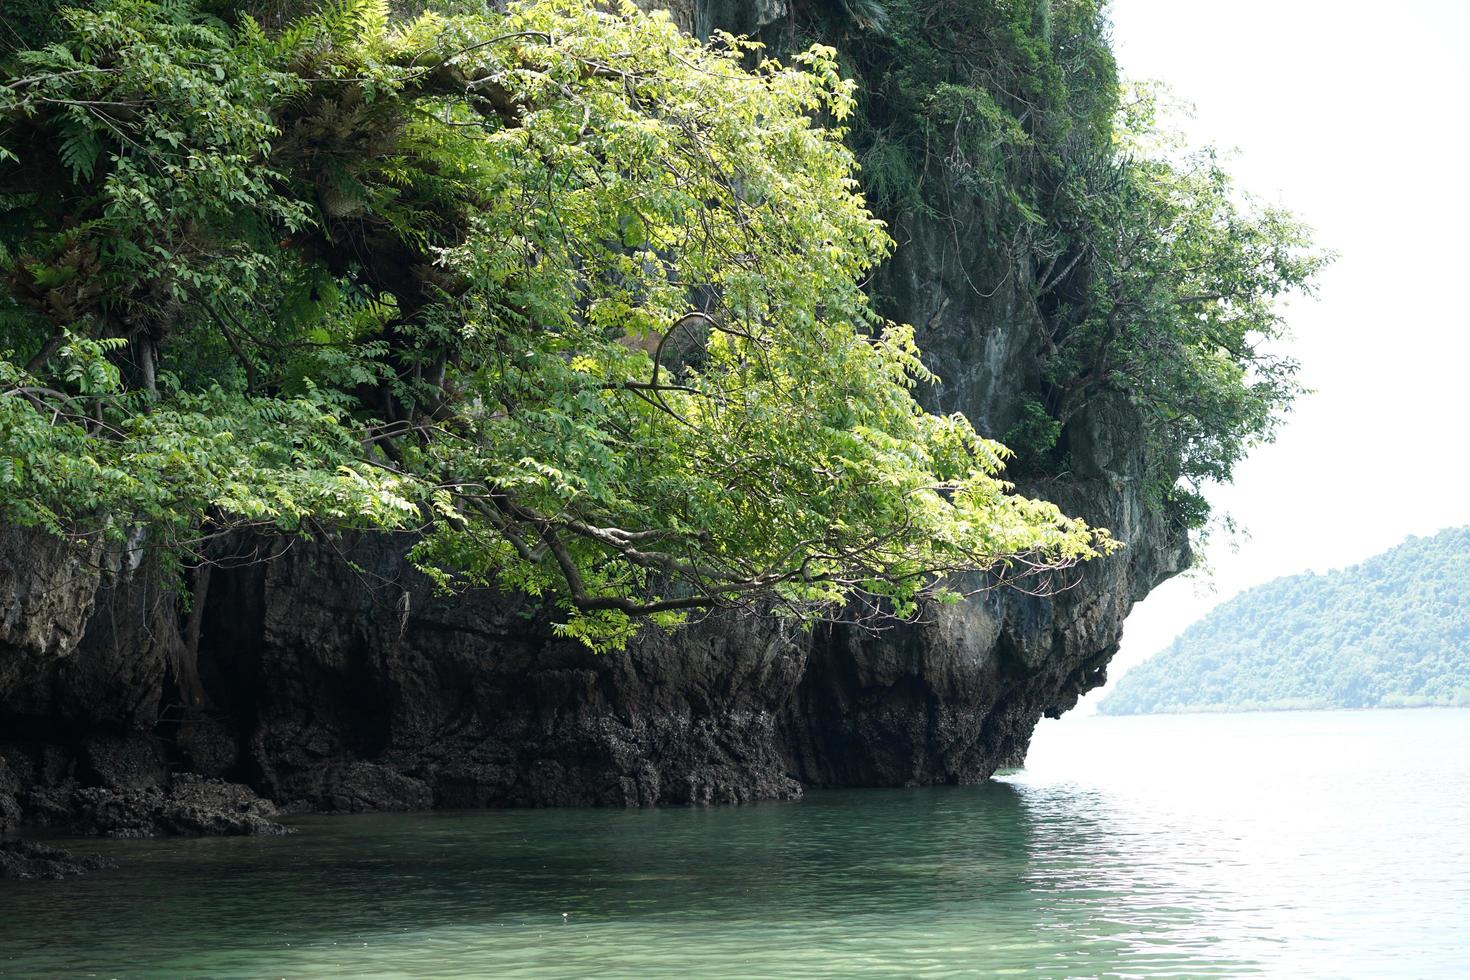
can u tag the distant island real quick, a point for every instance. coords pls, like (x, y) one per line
(1392, 632)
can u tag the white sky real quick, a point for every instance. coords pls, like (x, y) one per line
(1354, 115)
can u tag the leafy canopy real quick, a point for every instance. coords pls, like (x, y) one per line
(572, 296)
(1003, 123)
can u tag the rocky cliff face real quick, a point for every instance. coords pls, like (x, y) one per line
(336, 680)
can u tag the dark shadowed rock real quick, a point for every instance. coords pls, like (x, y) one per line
(369, 692)
(10, 791)
(190, 807)
(28, 859)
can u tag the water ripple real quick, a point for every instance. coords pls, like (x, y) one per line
(1286, 845)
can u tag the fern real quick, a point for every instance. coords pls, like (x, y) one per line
(80, 147)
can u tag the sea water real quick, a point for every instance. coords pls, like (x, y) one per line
(1292, 844)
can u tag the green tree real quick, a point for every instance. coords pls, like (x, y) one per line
(1159, 281)
(1177, 308)
(572, 296)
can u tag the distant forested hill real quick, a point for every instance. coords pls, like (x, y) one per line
(1391, 632)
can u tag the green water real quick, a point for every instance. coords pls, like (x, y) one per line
(1291, 845)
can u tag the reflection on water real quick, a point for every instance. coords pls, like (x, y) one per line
(1130, 846)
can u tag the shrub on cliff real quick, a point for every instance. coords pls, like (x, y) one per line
(1005, 124)
(574, 297)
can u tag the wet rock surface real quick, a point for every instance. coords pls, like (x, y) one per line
(29, 859)
(190, 807)
(391, 698)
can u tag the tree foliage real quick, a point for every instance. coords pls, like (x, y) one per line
(1159, 281)
(572, 296)
(1391, 632)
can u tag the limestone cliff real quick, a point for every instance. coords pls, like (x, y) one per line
(335, 679)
